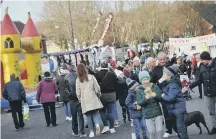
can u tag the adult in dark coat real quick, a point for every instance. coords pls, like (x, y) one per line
(14, 92)
(64, 95)
(196, 72)
(207, 77)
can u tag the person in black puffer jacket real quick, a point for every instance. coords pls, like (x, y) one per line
(107, 81)
(207, 77)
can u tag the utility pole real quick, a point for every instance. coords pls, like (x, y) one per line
(71, 22)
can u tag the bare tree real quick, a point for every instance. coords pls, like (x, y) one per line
(140, 20)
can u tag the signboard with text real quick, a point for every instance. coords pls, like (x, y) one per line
(190, 41)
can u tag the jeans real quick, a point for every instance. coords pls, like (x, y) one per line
(167, 118)
(16, 108)
(155, 127)
(76, 111)
(139, 123)
(49, 107)
(67, 108)
(115, 112)
(211, 102)
(107, 114)
(178, 120)
(95, 115)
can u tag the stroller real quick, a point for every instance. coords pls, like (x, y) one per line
(186, 91)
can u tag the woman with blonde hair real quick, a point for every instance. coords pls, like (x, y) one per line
(88, 92)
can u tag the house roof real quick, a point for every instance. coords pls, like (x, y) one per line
(19, 26)
(208, 12)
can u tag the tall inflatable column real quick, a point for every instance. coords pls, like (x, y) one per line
(10, 47)
(31, 43)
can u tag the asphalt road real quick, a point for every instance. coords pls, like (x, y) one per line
(36, 126)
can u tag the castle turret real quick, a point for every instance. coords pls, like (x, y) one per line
(10, 47)
(31, 43)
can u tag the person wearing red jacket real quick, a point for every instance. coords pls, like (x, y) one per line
(46, 95)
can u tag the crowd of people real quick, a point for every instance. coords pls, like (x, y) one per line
(150, 94)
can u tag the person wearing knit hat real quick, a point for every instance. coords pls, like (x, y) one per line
(149, 97)
(169, 71)
(132, 85)
(172, 96)
(205, 58)
(143, 75)
(207, 78)
(134, 109)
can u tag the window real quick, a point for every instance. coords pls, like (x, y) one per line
(8, 42)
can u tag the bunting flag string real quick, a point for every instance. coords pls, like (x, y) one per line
(96, 26)
(107, 25)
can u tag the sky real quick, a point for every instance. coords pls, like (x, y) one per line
(18, 10)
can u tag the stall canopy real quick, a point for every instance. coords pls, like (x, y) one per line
(68, 52)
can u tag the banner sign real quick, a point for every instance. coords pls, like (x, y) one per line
(190, 41)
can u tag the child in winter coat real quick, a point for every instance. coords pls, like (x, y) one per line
(121, 93)
(135, 110)
(149, 97)
(174, 100)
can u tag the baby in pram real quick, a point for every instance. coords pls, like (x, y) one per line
(185, 84)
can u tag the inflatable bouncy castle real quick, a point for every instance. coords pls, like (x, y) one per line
(12, 45)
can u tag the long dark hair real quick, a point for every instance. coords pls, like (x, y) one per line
(82, 72)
